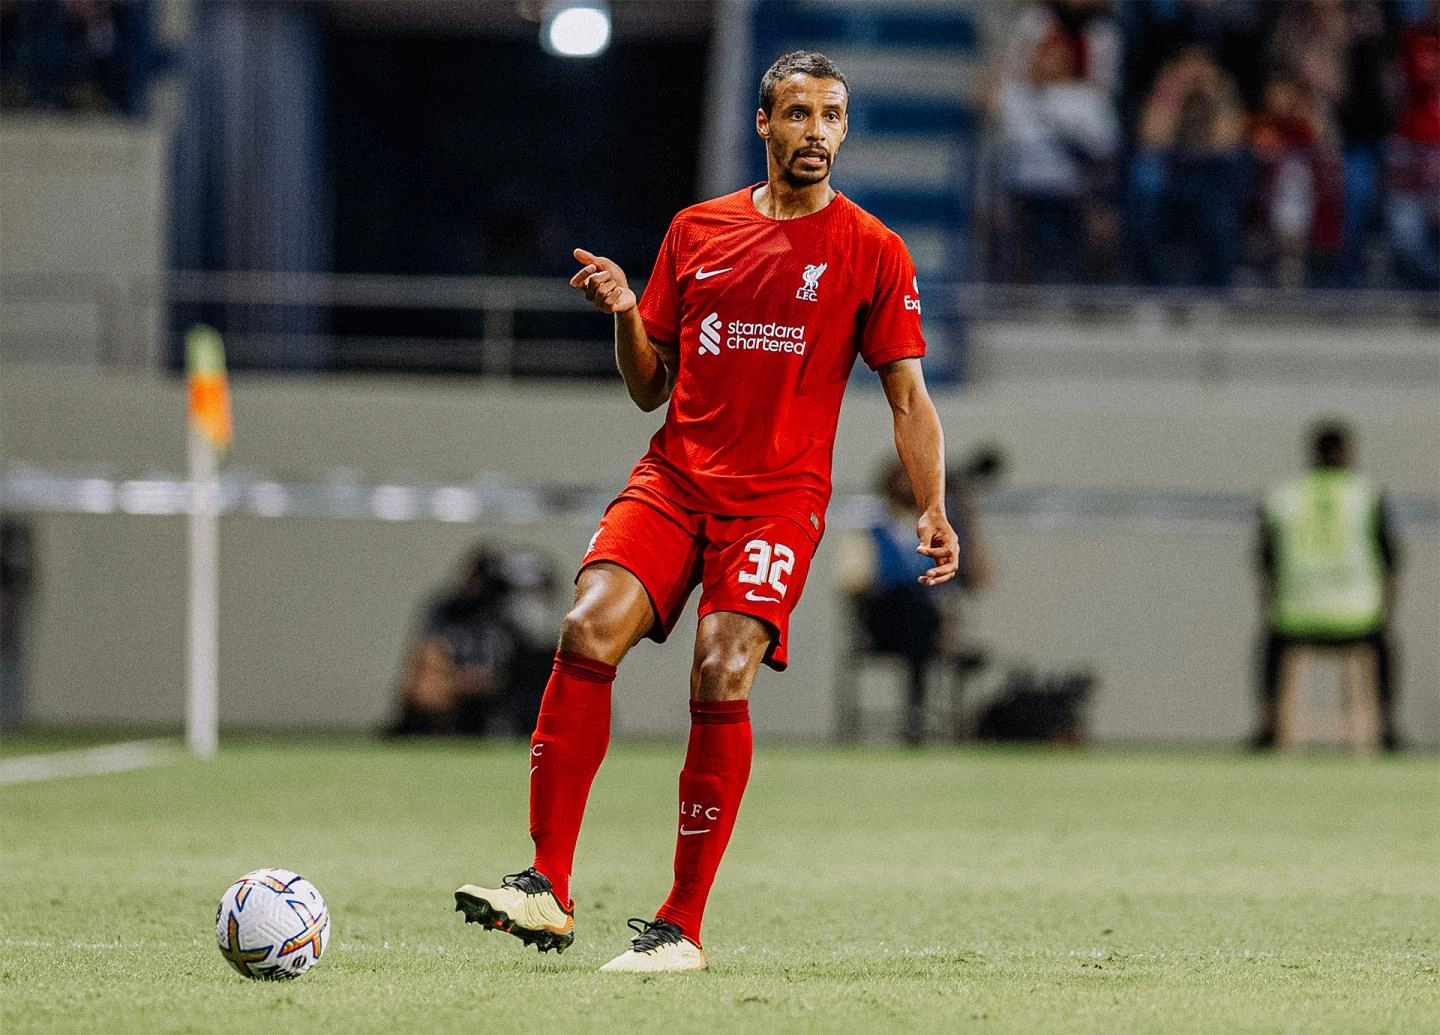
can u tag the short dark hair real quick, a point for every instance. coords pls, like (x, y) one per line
(1329, 440)
(797, 62)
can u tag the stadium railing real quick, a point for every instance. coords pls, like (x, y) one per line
(501, 327)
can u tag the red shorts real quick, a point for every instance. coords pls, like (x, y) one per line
(751, 565)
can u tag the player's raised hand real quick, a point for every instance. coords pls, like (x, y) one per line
(603, 282)
(939, 542)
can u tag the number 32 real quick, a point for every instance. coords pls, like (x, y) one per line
(773, 561)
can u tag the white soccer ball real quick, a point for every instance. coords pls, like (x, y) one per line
(272, 924)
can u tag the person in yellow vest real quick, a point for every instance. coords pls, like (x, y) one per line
(1329, 568)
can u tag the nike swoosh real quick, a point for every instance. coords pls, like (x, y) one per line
(703, 274)
(752, 595)
(688, 833)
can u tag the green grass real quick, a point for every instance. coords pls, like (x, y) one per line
(865, 890)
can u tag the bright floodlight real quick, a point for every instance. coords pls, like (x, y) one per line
(576, 30)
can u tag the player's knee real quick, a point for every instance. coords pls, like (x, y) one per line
(723, 676)
(592, 632)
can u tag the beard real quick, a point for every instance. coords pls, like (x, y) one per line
(795, 176)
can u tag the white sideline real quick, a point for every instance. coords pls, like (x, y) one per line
(112, 758)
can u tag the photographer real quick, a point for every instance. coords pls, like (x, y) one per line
(896, 615)
(478, 661)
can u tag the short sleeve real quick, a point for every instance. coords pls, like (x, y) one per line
(892, 325)
(660, 305)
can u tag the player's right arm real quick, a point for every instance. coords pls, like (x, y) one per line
(647, 367)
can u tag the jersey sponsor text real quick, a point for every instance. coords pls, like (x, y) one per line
(749, 336)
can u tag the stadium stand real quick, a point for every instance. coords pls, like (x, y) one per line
(911, 67)
(912, 152)
(1132, 415)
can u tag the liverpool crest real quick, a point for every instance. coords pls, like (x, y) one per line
(812, 279)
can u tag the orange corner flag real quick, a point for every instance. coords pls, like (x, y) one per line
(209, 389)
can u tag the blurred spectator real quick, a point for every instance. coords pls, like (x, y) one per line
(1233, 32)
(897, 615)
(76, 55)
(1296, 195)
(1310, 43)
(17, 604)
(1266, 141)
(1365, 115)
(471, 669)
(1299, 171)
(1059, 135)
(1083, 27)
(1329, 569)
(1189, 175)
(1413, 160)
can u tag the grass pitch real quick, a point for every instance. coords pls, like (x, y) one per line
(866, 890)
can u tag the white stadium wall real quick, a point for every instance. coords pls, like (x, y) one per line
(82, 216)
(316, 611)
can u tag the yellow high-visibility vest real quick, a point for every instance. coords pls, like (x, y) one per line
(1329, 572)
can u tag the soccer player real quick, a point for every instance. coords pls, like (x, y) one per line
(759, 303)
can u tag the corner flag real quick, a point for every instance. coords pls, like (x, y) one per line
(209, 388)
(210, 432)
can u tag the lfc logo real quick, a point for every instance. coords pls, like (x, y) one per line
(811, 276)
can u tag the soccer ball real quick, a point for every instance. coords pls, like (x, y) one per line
(272, 924)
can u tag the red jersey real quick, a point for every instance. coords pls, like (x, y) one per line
(768, 316)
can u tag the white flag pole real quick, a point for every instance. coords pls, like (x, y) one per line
(202, 712)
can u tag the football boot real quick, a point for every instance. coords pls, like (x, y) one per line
(524, 905)
(658, 947)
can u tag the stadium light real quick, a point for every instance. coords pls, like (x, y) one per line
(576, 29)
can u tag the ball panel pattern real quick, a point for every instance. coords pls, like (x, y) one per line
(272, 924)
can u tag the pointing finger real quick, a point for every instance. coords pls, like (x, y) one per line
(598, 261)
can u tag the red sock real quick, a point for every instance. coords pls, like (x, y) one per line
(717, 766)
(566, 750)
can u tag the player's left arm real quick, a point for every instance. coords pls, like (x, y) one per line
(920, 442)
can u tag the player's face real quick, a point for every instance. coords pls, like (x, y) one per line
(805, 128)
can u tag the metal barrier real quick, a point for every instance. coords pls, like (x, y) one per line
(500, 327)
(495, 499)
